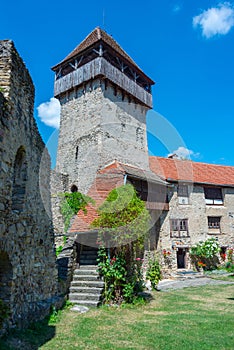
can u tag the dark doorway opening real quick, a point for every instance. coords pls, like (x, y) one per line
(5, 277)
(181, 258)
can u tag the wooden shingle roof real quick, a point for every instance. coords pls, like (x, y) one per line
(96, 36)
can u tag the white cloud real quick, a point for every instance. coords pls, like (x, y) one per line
(49, 113)
(216, 20)
(183, 153)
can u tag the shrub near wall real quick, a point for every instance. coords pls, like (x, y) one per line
(123, 224)
(205, 254)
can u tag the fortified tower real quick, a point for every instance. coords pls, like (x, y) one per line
(104, 99)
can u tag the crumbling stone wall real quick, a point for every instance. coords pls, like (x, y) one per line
(28, 279)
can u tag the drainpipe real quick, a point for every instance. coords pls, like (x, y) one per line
(125, 179)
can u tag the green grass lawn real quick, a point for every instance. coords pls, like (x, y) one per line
(192, 318)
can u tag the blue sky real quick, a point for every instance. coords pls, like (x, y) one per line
(185, 46)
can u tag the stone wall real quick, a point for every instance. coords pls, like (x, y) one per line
(29, 283)
(197, 212)
(59, 185)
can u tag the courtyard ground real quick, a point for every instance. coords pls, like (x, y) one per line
(200, 317)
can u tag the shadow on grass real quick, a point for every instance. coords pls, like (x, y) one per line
(230, 298)
(31, 338)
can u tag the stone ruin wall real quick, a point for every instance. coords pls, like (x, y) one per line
(28, 273)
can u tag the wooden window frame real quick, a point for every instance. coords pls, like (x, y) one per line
(183, 190)
(212, 199)
(179, 226)
(216, 224)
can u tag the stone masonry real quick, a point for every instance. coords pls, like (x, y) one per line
(28, 273)
(196, 212)
(97, 126)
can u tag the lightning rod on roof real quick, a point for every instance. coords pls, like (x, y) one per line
(103, 18)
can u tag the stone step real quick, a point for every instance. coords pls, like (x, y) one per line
(88, 257)
(88, 248)
(88, 283)
(84, 296)
(86, 277)
(85, 271)
(83, 289)
(85, 302)
(88, 252)
(88, 262)
(88, 268)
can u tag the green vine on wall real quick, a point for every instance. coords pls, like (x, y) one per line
(71, 204)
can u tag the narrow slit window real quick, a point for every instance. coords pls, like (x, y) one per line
(77, 152)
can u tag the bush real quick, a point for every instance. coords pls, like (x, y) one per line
(154, 273)
(229, 267)
(123, 223)
(122, 282)
(204, 254)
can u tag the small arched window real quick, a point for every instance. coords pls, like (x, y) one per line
(19, 180)
(74, 188)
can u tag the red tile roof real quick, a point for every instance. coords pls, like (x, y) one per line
(108, 178)
(187, 170)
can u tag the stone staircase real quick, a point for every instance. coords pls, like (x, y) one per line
(86, 287)
(184, 274)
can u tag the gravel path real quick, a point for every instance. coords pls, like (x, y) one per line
(166, 285)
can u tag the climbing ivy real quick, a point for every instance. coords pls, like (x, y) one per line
(71, 204)
(123, 217)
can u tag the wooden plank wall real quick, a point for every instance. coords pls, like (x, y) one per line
(97, 67)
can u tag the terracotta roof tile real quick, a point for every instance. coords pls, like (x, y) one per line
(108, 178)
(186, 170)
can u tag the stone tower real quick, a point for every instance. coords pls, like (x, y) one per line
(104, 98)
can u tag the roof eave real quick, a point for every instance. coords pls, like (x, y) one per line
(199, 183)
